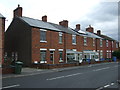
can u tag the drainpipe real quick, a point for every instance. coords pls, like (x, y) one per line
(65, 54)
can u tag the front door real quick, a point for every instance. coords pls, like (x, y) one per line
(52, 56)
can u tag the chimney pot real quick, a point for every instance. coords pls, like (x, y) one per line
(18, 11)
(44, 18)
(99, 32)
(18, 5)
(77, 27)
(60, 23)
(90, 29)
(64, 23)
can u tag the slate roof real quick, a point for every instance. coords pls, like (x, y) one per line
(91, 34)
(38, 23)
(55, 27)
(106, 37)
(47, 25)
(64, 29)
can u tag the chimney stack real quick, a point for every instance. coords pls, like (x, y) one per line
(99, 32)
(64, 23)
(18, 11)
(44, 18)
(90, 29)
(77, 27)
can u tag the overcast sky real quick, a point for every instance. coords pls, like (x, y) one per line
(100, 15)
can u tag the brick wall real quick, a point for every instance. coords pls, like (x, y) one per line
(52, 43)
(2, 28)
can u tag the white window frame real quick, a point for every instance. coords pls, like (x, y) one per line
(74, 36)
(85, 39)
(116, 45)
(93, 41)
(51, 49)
(107, 42)
(61, 60)
(46, 38)
(60, 35)
(101, 43)
(43, 49)
(112, 44)
(60, 49)
(101, 53)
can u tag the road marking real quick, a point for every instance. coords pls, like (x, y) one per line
(11, 86)
(101, 69)
(90, 65)
(112, 83)
(64, 76)
(106, 86)
(99, 88)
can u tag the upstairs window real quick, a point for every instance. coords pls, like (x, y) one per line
(106, 43)
(74, 39)
(85, 41)
(42, 35)
(93, 41)
(60, 37)
(112, 44)
(116, 45)
(100, 42)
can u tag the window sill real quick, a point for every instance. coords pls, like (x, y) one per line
(60, 42)
(43, 61)
(73, 43)
(43, 41)
(60, 60)
(85, 45)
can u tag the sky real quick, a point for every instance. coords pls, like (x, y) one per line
(100, 14)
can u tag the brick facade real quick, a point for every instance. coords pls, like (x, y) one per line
(2, 29)
(27, 41)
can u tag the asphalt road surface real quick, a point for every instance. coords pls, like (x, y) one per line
(98, 76)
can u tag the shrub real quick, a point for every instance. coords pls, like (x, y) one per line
(116, 54)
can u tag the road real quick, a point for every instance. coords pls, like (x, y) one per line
(98, 76)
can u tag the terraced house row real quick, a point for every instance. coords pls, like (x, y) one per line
(39, 41)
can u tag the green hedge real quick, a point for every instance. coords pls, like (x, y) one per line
(116, 54)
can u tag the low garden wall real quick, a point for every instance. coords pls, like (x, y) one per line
(51, 66)
(7, 70)
(61, 65)
(10, 69)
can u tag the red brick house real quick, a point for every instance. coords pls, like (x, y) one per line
(109, 45)
(2, 30)
(38, 41)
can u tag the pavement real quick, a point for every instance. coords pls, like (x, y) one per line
(26, 71)
(34, 71)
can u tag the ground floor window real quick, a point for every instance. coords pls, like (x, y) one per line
(107, 55)
(110, 55)
(42, 55)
